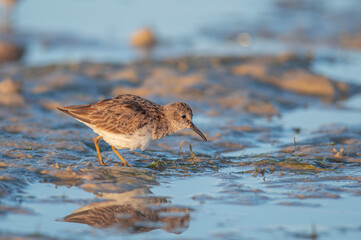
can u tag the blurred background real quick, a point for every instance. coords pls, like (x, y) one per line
(274, 85)
(43, 32)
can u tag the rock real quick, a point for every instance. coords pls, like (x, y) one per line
(127, 74)
(9, 86)
(262, 108)
(10, 92)
(351, 40)
(10, 51)
(143, 38)
(297, 80)
(8, 3)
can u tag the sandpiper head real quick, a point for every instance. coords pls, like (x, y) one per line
(180, 117)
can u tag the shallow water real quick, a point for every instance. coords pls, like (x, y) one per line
(48, 204)
(109, 33)
(54, 33)
(345, 67)
(226, 206)
(282, 160)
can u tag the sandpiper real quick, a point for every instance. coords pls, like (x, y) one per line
(130, 122)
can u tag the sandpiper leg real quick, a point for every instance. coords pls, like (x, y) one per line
(96, 139)
(121, 158)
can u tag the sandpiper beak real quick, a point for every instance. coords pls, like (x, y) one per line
(194, 128)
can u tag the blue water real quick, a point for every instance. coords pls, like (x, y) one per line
(77, 30)
(61, 31)
(223, 213)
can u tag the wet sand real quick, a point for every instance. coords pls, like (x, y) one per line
(252, 159)
(283, 157)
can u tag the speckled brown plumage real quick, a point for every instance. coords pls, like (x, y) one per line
(129, 121)
(115, 114)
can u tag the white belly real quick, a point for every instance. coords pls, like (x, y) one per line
(140, 139)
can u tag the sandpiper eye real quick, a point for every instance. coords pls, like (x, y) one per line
(184, 116)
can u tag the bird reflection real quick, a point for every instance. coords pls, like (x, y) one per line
(135, 211)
